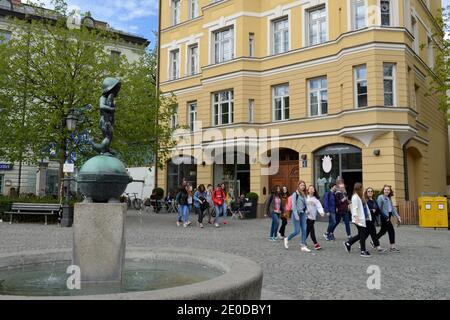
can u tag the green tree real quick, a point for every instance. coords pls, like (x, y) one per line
(48, 71)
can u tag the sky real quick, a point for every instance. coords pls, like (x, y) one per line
(135, 16)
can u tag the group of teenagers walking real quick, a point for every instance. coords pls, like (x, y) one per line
(214, 202)
(303, 206)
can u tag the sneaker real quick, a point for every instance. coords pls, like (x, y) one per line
(332, 238)
(326, 236)
(317, 246)
(305, 249)
(185, 225)
(280, 237)
(216, 225)
(189, 223)
(286, 243)
(394, 250)
(225, 222)
(178, 223)
(347, 246)
(381, 250)
(201, 225)
(365, 254)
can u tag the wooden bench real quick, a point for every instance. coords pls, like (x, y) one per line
(34, 209)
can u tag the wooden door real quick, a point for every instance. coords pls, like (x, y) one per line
(288, 175)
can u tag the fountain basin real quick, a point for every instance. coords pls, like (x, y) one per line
(227, 276)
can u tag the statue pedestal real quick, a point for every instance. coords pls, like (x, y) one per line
(99, 241)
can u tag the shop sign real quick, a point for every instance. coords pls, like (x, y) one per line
(6, 166)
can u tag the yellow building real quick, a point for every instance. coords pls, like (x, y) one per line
(339, 87)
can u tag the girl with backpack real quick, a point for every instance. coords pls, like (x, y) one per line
(183, 211)
(387, 210)
(274, 206)
(298, 217)
(313, 206)
(200, 204)
(218, 198)
(285, 216)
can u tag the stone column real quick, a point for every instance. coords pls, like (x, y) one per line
(99, 241)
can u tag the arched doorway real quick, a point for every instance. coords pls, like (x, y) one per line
(234, 171)
(181, 168)
(334, 162)
(289, 171)
(415, 173)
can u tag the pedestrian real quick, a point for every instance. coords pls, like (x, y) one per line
(342, 208)
(190, 197)
(329, 203)
(183, 211)
(210, 209)
(387, 210)
(313, 206)
(218, 198)
(274, 207)
(298, 217)
(360, 216)
(225, 203)
(286, 212)
(200, 204)
(241, 205)
(374, 214)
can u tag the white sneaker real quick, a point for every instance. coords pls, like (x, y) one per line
(178, 223)
(286, 243)
(189, 223)
(280, 237)
(305, 249)
(216, 225)
(185, 225)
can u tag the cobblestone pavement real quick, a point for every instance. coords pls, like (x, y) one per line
(420, 271)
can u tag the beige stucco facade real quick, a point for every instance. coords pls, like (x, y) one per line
(411, 136)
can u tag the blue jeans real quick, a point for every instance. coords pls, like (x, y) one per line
(225, 212)
(299, 225)
(275, 224)
(331, 223)
(346, 218)
(183, 213)
(219, 211)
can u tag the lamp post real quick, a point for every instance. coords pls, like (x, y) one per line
(67, 210)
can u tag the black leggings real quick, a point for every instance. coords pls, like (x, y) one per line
(362, 237)
(372, 231)
(201, 214)
(386, 226)
(284, 223)
(310, 230)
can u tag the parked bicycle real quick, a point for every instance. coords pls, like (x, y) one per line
(133, 201)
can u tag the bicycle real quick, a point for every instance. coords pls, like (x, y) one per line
(136, 203)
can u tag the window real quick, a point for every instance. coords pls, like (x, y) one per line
(174, 64)
(415, 32)
(317, 25)
(193, 59)
(5, 36)
(193, 9)
(223, 105)
(430, 51)
(361, 86)
(175, 12)
(174, 119)
(389, 84)
(385, 8)
(115, 56)
(251, 44)
(251, 106)
(223, 42)
(280, 38)
(192, 107)
(358, 14)
(318, 96)
(281, 102)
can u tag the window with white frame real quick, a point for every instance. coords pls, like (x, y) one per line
(223, 44)
(193, 59)
(251, 44)
(386, 13)
(223, 107)
(358, 14)
(361, 97)
(251, 107)
(174, 68)
(389, 84)
(318, 96)
(5, 36)
(174, 119)
(280, 35)
(281, 102)
(430, 52)
(176, 4)
(192, 108)
(193, 9)
(317, 25)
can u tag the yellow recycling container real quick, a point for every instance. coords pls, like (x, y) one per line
(433, 212)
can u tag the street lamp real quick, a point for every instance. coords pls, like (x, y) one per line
(67, 210)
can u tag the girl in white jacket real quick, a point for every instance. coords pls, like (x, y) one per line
(360, 214)
(313, 206)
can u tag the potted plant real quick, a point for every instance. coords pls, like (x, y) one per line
(253, 198)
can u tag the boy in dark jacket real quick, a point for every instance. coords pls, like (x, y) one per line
(329, 205)
(342, 212)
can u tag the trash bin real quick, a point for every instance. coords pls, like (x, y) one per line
(433, 212)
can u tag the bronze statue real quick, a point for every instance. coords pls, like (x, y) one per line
(111, 88)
